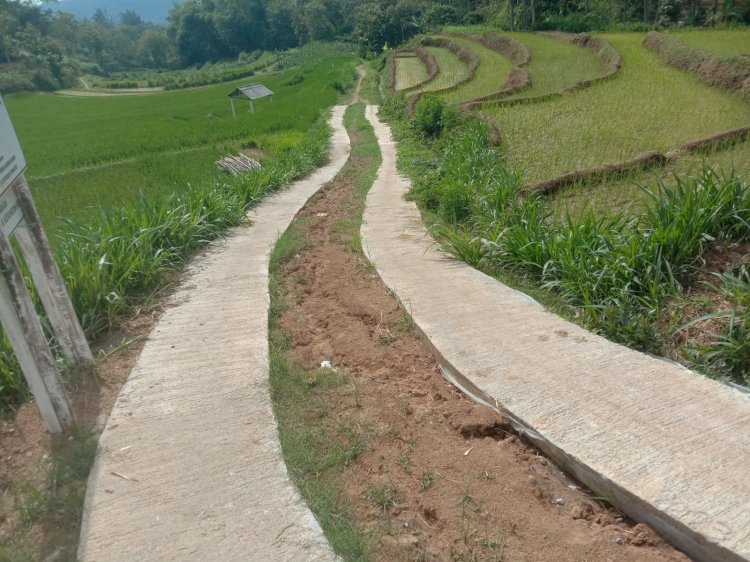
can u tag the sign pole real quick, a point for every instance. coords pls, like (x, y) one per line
(19, 216)
(49, 282)
(29, 343)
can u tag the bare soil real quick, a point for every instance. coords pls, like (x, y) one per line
(444, 479)
(26, 445)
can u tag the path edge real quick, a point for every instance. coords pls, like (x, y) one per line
(680, 535)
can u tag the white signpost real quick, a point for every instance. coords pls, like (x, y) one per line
(19, 217)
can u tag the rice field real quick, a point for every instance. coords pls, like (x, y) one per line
(644, 108)
(555, 64)
(724, 42)
(489, 77)
(452, 70)
(410, 71)
(88, 153)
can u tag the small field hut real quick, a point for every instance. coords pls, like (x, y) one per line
(250, 92)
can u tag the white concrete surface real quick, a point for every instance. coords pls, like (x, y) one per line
(668, 446)
(189, 465)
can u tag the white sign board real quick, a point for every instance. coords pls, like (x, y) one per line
(12, 162)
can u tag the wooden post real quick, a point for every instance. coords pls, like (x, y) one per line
(231, 101)
(49, 282)
(29, 344)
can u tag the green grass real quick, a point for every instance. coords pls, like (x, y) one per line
(452, 70)
(317, 445)
(615, 273)
(722, 42)
(556, 65)
(102, 151)
(370, 88)
(66, 133)
(410, 71)
(650, 106)
(144, 195)
(613, 196)
(489, 77)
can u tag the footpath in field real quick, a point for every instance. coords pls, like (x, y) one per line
(189, 465)
(665, 445)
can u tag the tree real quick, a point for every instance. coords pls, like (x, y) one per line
(130, 18)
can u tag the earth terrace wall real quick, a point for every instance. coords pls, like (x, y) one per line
(643, 161)
(606, 53)
(731, 73)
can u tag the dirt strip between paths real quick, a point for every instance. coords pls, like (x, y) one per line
(661, 442)
(441, 478)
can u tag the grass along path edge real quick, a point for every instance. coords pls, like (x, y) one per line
(317, 449)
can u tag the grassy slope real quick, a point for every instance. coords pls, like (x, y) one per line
(556, 65)
(489, 78)
(68, 136)
(645, 108)
(725, 42)
(410, 71)
(452, 70)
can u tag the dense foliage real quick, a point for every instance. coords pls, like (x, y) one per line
(44, 49)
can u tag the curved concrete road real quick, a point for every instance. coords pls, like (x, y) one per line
(189, 465)
(667, 446)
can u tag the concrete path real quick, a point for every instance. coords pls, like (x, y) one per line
(667, 446)
(189, 465)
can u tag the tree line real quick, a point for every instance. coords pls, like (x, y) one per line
(43, 48)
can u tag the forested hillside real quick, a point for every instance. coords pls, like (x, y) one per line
(42, 48)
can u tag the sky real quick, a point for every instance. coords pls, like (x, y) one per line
(154, 11)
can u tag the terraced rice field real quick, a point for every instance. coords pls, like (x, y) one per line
(489, 77)
(725, 42)
(410, 71)
(555, 64)
(643, 109)
(452, 70)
